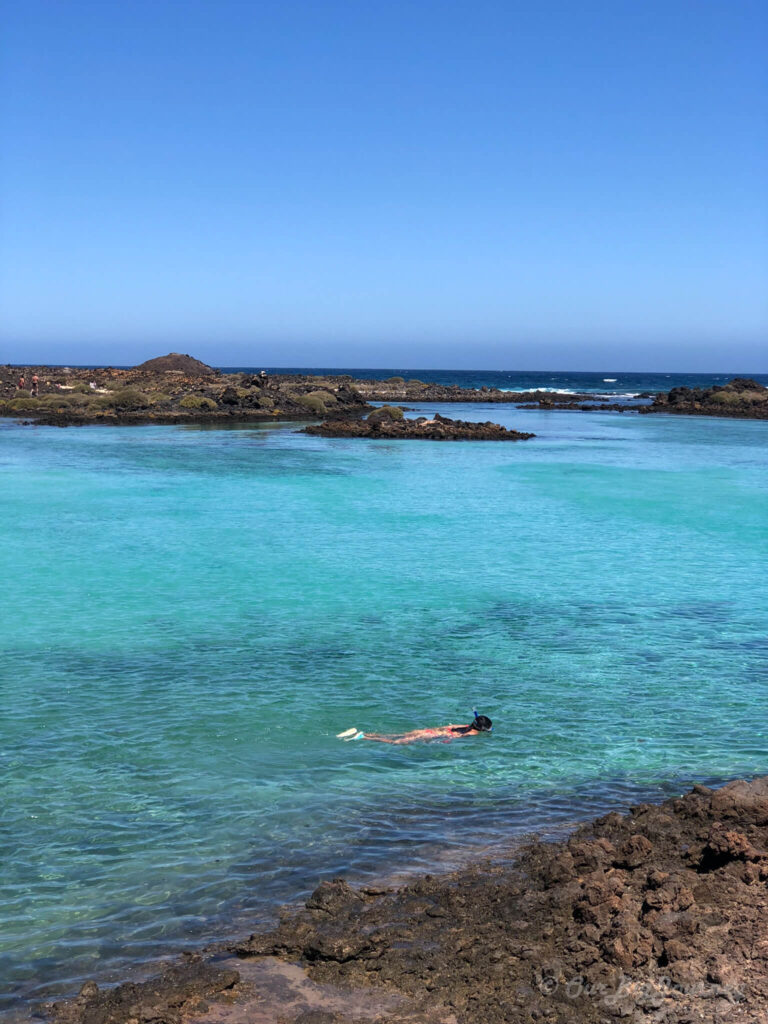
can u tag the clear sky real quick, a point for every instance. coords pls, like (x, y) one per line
(550, 184)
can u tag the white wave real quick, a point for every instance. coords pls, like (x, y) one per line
(602, 396)
(554, 391)
(609, 380)
(613, 395)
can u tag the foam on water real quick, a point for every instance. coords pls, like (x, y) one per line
(191, 616)
(554, 391)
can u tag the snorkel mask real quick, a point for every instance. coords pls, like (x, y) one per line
(481, 727)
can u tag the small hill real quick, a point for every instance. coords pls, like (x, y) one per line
(175, 361)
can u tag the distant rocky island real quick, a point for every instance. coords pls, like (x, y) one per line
(388, 423)
(178, 388)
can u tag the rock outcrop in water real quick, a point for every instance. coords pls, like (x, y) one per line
(741, 397)
(657, 916)
(385, 424)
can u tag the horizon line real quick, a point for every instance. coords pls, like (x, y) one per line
(381, 369)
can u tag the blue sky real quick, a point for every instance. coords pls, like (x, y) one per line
(536, 185)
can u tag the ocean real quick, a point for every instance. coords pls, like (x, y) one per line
(191, 614)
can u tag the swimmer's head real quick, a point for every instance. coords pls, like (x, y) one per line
(482, 723)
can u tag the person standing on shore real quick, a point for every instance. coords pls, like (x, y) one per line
(35, 385)
(22, 383)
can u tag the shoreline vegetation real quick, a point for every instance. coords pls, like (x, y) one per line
(177, 389)
(659, 915)
(168, 390)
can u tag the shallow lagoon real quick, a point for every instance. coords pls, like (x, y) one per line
(191, 614)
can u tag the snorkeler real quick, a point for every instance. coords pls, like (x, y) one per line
(446, 733)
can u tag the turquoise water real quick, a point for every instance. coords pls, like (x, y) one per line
(190, 615)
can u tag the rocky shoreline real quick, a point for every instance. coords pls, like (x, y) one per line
(158, 392)
(180, 389)
(388, 423)
(658, 915)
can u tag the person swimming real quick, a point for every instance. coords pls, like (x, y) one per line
(446, 733)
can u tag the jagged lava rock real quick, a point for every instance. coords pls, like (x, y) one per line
(383, 424)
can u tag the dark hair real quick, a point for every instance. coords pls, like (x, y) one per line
(482, 723)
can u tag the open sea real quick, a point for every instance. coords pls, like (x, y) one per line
(190, 614)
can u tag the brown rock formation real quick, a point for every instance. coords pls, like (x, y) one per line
(740, 398)
(659, 915)
(384, 424)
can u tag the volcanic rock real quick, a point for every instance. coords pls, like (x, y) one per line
(741, 397)
(658, 915)
(383, 424)
(170, 998)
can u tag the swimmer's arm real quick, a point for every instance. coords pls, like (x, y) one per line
(456, 732)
